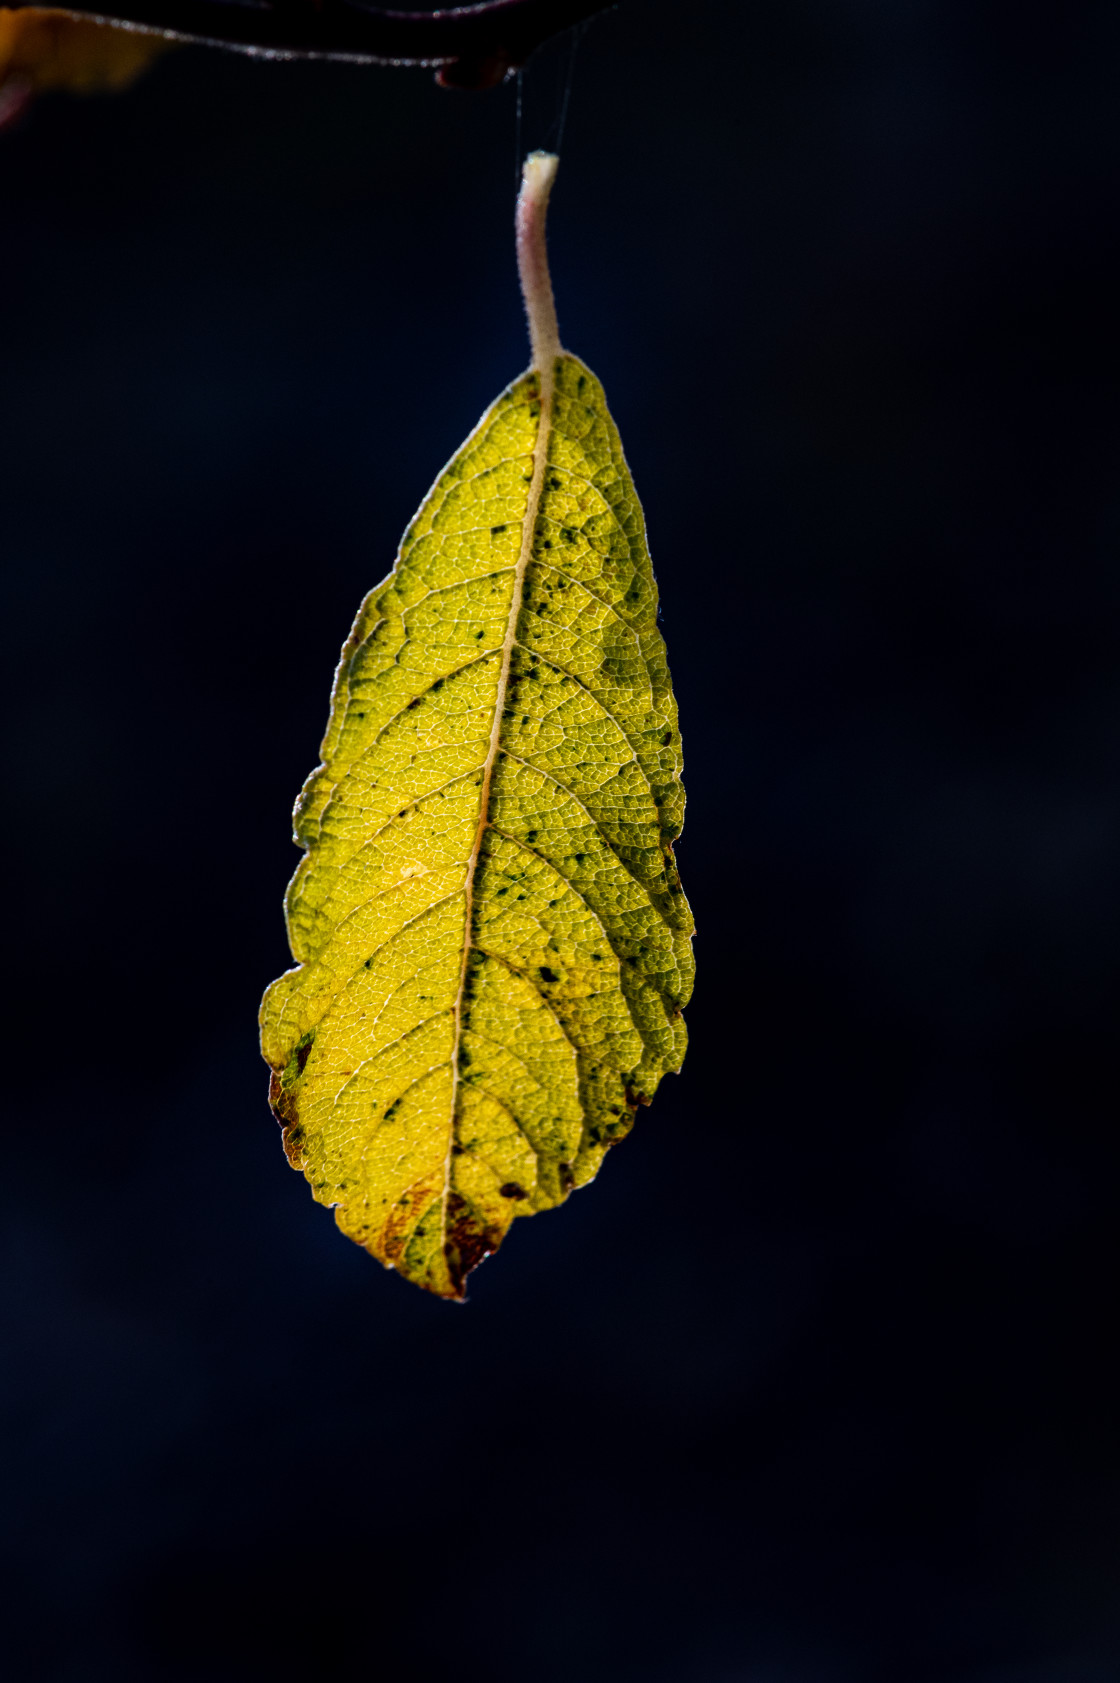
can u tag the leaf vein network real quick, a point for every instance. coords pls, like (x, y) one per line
(581, 584)
(398, 1040)
(512, 1114)
(560, 784)
(515, 970)
(600, 703)
(526, 847)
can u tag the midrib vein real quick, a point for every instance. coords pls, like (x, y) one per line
(528, 536)
(544, 340)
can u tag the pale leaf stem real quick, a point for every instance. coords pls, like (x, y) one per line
(532, 257)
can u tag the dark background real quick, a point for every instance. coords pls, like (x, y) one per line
(817, 1382)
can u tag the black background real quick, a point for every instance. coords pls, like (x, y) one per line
(816, 1383)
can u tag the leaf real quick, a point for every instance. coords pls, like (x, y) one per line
(42, 49)
(492, 941)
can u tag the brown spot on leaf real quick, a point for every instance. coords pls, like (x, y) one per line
(405, 1217)
(283, 1103)
(469, 1240)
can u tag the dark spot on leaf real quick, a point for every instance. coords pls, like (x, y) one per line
(512, 1190)
(468, 1240)
(282, 1101)
(496, 529)
(547, 975)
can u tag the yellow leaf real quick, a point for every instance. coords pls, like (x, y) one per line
(493, 947)
(42, 49)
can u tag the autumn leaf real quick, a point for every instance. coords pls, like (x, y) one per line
(492, 943)
(44, 49)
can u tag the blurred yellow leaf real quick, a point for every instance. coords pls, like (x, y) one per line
(41, 49)
(493, 947)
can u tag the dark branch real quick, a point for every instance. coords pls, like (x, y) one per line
(471, 46)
